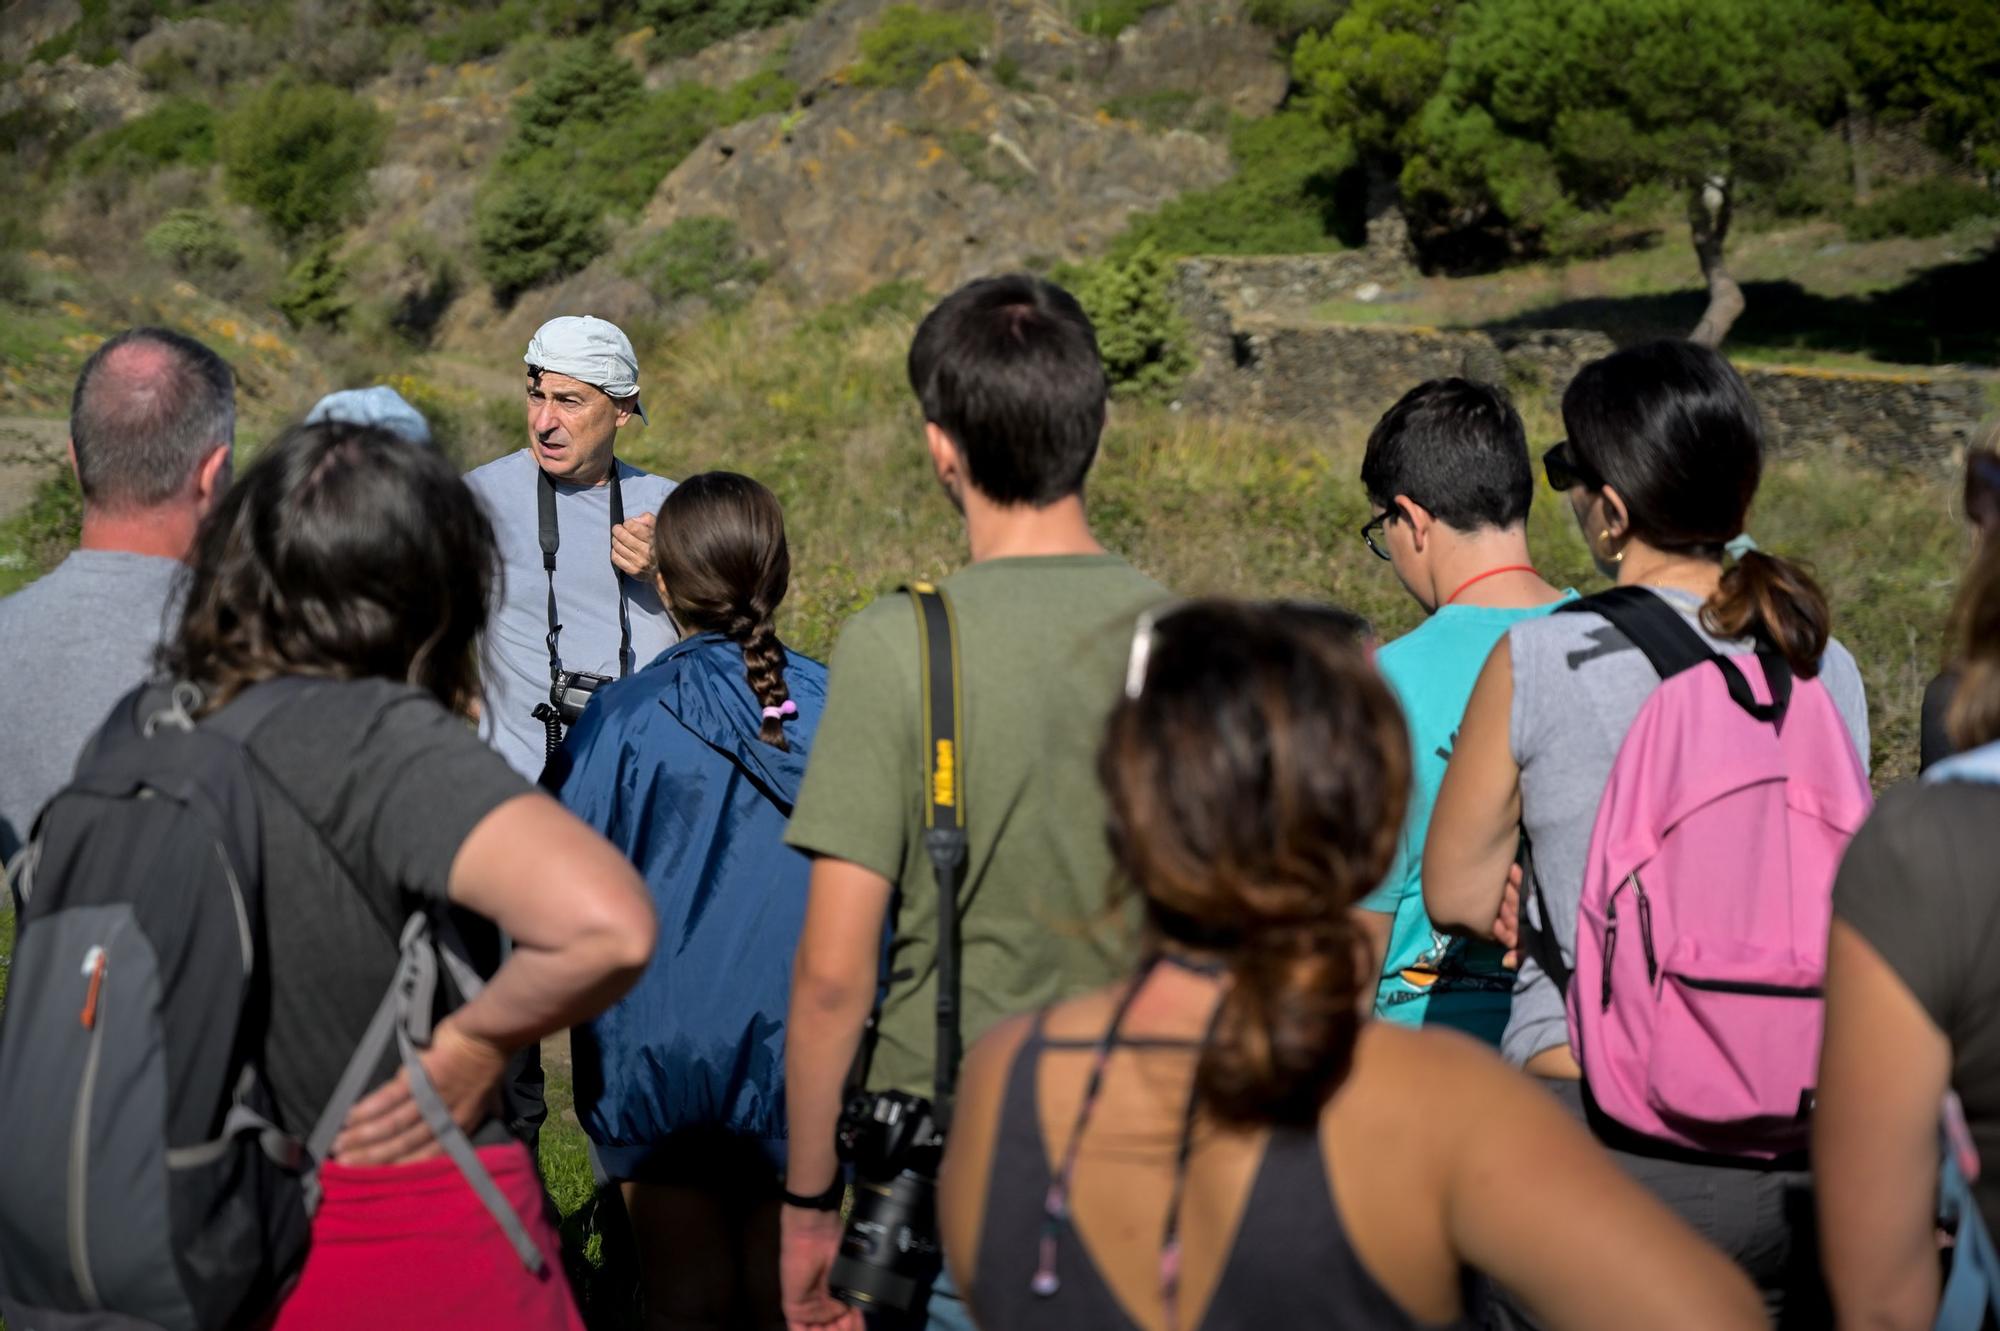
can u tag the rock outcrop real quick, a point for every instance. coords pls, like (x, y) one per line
(959, 178)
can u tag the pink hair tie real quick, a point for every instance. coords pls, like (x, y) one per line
(790, 708)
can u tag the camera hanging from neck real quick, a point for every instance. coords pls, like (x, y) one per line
(569, 690)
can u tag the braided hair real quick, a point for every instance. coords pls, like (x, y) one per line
(720, 542)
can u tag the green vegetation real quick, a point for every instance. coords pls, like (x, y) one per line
(102, 29)
(194, 242)
(1566, 117)
(699, 258)
(907, 43)
(300, 155)
(1171, 108)
(682, 27)
(1108, 18)
(1140, 333)
(1283, 199)
(177, 132)
(588, 139)
(315, 294)
(1935, 59)
(1368, 77)
(37, 538)
(1926, 208)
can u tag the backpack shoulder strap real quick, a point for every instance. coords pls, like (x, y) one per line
(1972, 1290)
(1650, 624)
(1658, 630)
(944, 811)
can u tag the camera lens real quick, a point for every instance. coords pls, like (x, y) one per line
(889, 1256)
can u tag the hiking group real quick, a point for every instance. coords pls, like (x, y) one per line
(1060, 954)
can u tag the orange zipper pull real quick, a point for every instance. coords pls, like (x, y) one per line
(93, 966)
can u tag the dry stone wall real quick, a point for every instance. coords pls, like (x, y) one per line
(1261, 355)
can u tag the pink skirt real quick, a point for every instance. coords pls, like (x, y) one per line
(411, 1245)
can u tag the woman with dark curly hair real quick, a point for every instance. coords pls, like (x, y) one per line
(352, 559)
(690, 767)
(1225, 1141)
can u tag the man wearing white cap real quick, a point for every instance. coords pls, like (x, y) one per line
(575, 529)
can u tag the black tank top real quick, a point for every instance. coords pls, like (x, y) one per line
(1291, 1264)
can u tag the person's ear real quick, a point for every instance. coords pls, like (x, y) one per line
(212, 477)
(624, 405)
(1418, 519)
(945, 459)
(74, 469)
(1617, 517)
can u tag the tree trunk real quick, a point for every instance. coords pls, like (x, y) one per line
(1709, 210)
(1859, 145)
(1388, 229)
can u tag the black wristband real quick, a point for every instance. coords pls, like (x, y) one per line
(830, 1200)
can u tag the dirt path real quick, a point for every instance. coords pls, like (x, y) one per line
(30, 446)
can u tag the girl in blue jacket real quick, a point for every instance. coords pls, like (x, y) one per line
(690, 767)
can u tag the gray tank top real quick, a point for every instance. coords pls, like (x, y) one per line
(1578, 686)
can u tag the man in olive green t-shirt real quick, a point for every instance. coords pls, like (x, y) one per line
(1013, 394)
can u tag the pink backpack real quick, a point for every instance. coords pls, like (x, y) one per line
(1695, 1005)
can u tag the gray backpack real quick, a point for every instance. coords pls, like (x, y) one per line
(143, 1182)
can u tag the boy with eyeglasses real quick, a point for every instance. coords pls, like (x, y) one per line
(1448, 478)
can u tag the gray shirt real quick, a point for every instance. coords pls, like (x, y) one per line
(588, 588)
(71, 645)
(1578, 686)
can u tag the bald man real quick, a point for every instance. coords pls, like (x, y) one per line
(151, 428)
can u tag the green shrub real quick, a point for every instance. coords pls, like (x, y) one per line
(1007, 73)
(1171, 108)
(194, 241)
(907, 43)
(315, 291)
(1290, 20)
(897, 302)
(300, 155)
(1928, 208)
(1108, 18)
(589, 139)
(477, 33)
(698, 257)
(177, 132)
(682, 27)
(766, 91)
(1140, 332)
(527, 233)
(1284, 199)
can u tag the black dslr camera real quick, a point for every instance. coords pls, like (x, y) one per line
(570, 693)
(889, 1254)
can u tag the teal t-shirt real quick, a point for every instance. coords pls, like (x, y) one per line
(1428, 977)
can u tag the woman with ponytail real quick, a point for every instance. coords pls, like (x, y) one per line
(1663, 459)
(690, 767)
(1226, 1140)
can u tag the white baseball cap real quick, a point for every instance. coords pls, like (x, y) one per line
(590, 350)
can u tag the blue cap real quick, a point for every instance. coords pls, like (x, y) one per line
(381, 406)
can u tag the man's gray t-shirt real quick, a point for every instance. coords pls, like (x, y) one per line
(588, 587)
(1578, 686)
(71, 645)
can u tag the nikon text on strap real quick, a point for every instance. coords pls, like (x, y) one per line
(944, 814)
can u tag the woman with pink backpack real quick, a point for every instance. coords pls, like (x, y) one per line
(1675, 766)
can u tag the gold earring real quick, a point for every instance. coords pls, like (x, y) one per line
(1604, 538)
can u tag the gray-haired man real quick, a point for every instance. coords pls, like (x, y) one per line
(575, 529)
(151, 426)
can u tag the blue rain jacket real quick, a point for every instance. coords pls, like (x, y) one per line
(667, 765)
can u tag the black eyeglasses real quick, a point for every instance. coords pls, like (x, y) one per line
(1566, 470)
(1374, 525)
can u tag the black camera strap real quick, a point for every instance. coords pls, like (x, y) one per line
(545, 496)
(944, 815)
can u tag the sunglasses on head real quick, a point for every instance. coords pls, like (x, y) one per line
(1566, 470)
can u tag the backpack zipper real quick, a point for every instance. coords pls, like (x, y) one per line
(95, 962)
(1646, 929)
(1755, 987)
(1610, 942)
